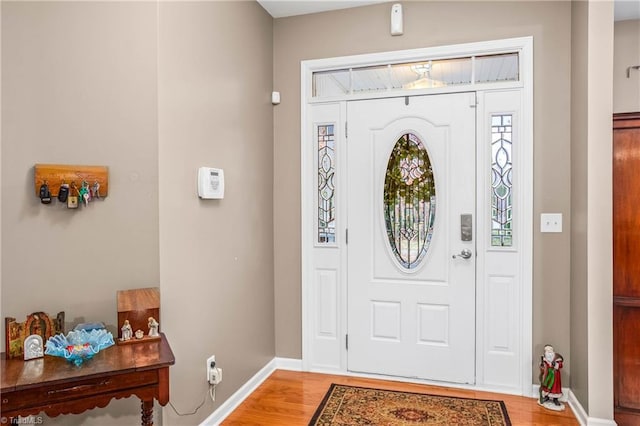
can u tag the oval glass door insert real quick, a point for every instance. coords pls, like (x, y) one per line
(409, 201)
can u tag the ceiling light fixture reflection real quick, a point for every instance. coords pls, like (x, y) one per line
(424, 80)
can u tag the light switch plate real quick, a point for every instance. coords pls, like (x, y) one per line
(551, 222)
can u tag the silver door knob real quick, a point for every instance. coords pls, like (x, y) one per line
(465, 254)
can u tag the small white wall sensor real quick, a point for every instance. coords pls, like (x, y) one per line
(275, 98)
(396, 19)
(210, 183)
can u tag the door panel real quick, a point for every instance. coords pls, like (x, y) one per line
(417, 321)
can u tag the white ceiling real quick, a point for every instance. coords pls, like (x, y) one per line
(283, 8)
(626, 9)
(623, 10)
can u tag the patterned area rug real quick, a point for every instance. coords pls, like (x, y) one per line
(351, 405)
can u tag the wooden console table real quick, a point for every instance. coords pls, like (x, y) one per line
(55, 386)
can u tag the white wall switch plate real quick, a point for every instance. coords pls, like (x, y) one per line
(551, 222)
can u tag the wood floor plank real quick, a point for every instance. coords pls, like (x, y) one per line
(291, 398)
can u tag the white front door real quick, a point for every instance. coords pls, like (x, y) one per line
(411, 187)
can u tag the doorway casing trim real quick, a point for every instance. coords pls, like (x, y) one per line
(524, 45)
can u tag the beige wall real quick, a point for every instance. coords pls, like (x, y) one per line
(626, 91)
(579, 196)
(79, 87)
(591, 256)
(366, 29)
(599, 209)
(216, 256)
(152, 90)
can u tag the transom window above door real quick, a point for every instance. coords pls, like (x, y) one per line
(417, 75)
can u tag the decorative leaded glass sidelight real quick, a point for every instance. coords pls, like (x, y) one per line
(326, 185)
(501, 181)
(409, 200)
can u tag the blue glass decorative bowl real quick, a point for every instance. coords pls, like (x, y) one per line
(79, 345)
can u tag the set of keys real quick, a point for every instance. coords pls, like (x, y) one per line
(71, 194)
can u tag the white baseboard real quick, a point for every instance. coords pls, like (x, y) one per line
(592, 421)
(575, 405)
(288, 364)
(251, 385)
(582, 416)
(240, 395)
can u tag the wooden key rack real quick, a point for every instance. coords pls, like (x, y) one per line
(56, 174)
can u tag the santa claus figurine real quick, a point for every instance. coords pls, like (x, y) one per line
(550, 379)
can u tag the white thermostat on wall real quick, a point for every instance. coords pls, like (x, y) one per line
(210, 183)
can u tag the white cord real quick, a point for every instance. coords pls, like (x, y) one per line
(212, 392)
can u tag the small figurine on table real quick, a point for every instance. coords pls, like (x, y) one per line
(33, 347)
(153, 327)
(550, 379)
(127, 333)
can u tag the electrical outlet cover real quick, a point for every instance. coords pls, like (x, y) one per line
(211, 359)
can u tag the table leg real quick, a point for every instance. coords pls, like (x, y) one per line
(147, 412)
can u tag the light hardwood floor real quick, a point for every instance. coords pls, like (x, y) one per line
(291, 398)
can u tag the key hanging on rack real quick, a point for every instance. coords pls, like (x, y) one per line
(84, 193)
(72, 199)
(45, 193)
(95, 190)
(63, 192)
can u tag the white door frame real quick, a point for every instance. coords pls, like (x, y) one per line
(324, 349)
